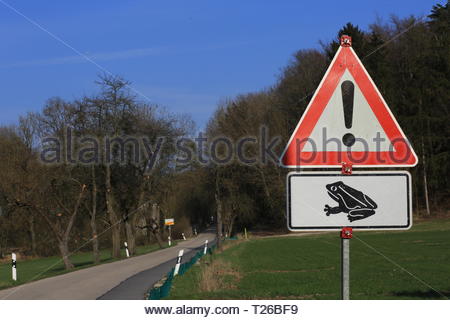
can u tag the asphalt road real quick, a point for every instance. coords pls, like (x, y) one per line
(125, 279)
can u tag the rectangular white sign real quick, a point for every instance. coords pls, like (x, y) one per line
(367, 200)
(169, 222)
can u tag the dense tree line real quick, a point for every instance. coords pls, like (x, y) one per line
(66, 206)
(408, 59)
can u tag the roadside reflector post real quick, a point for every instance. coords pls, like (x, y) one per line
(206, 247)
(195, 231)
(346, 235)
(126, 249)
(169, 238)
(14, 266)
(245, 233)
(177, 266)
(182, 234)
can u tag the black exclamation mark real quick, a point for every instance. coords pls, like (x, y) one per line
(348, 93)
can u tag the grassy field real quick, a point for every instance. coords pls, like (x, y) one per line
(308, 267)
(34, 269)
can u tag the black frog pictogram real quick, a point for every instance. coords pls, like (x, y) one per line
(351, 201)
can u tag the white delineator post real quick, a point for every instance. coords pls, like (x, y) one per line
(126, 249)
(14, 266)
(184, 238)
(169, 238)
(195, 231)
(177, 266)
(206, 247)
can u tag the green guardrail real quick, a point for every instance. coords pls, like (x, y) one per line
(163, 291)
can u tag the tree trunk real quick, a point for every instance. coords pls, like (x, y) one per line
(155, 213)
(32, 235)
(218, 213)
(95, 245)
(155, 222)
(64, 250)
(230, 226)
(425, 186)
(158, 237)
(263, 178)
(219, 221)
(425, 183)
(3, 243)
(150, 233)
(131, 240)
(416, 194)
(113, 219)
(65, 236)
(131, 221)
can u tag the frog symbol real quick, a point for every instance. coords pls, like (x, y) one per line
(351, 201)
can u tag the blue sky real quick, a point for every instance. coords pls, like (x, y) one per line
(184, 55)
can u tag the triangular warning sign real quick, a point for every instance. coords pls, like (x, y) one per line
(347, 120)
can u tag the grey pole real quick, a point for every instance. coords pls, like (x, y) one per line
(345, 268)
(346, 235)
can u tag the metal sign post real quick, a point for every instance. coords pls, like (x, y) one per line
(346, 235)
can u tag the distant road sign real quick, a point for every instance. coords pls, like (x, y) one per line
(169, 222)
(363, 200)
(347, 120)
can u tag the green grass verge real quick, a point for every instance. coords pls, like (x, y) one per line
(308, 267)
(39, 268)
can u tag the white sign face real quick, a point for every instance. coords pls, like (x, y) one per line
(363, 200)
(169, 222)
